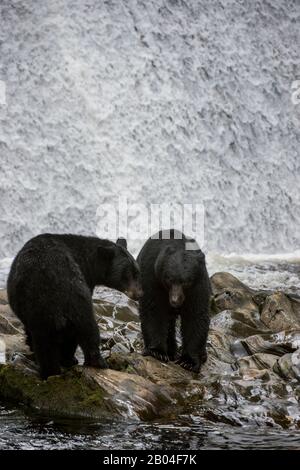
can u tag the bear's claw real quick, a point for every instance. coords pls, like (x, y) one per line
(188, 364)
(160, 356)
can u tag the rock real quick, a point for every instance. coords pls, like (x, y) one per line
(260, 297)
(230, 294)
(130, 395)
(278, 313)
(277, 343)
(221, 281)
(3, 297)
(9, 324)
(218, 345)
(251, 375)
(295, 301)
(288, 366)
(13, 343)
(115, 305)
(66, 395)
(70, 394)
(143, 389)
(230, 299)
(118, 321)
(238, 323)
(260, 361)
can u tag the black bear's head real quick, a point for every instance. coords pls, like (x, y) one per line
(122, 271)
(178, 271)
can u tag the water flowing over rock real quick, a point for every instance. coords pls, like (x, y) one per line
(252, 374)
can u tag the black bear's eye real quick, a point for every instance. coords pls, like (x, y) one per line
(186, 285)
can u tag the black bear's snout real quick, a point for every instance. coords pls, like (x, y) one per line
(134, 292)
(176, 296)
(137, 295)
(176, 303)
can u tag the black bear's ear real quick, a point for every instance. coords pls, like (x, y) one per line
(169, 250)
(200, 256)
(106, 252)
(122, 242)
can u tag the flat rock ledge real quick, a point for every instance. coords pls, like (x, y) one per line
(87, 392)
(252, 375)
(134, 386)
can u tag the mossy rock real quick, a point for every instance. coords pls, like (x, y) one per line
(68, 395)
(87, 392)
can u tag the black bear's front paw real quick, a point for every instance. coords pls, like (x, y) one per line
(188, 363)
(157, 354)
(172, 357)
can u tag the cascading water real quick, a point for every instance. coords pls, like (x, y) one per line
(158, 101)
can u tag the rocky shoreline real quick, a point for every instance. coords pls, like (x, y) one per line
(252, 374)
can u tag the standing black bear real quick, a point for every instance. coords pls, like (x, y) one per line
(50, 288)
(175, 282)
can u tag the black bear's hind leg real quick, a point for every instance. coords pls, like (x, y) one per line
(67, 352)
(155, 326)
(94, 359)
(89, 339)
(172, 345)
(194, 329)
(157, 354)
(47, 355)
(203, 356)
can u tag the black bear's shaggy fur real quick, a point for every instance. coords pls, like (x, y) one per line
(175, 282)
(50, 288)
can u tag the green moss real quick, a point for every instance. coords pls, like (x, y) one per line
(93, 400)
(213, 306)
(130, 369)
(121, 363)
(118, 362)
(70, 394)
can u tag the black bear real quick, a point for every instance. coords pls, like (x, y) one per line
(175, 282)
(50, 288)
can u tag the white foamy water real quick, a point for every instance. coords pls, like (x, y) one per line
(4, 270)
(277, 271)
(260, 271)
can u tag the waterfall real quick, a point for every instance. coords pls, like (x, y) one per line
(158, 101)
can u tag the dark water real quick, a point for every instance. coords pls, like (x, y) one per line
(20, 431)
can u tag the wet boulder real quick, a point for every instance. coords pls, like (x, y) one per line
(288, 366)
(278, 313)
(230, 294)
(222, 280)
(270, 343)
(238, 323)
